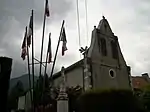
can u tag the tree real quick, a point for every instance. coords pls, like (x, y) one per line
(109, 101)
(144, 97)
(42, 92)
(73, 94)
(38, 90)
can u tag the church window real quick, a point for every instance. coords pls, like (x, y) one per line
(114, 50)
(112, 73)
(103, 46)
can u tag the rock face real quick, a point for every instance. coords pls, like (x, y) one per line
(24, 80)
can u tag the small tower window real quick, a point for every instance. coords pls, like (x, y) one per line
(114, 50)
(103, 47)
(112, 73)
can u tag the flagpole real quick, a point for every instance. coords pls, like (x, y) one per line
(29, 70)
(46, 62)
(33, 59)
(42, 41)
(57, 50)
(45, 66)
(47, 56)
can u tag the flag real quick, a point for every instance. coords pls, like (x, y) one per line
(63, 38)
(49, 50)
(47, 9)
(24, 48)
(30, 31)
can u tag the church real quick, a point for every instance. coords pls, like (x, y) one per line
(103, 67)
(106, 66)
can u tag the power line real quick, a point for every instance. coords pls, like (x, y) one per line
(86, 21)
(78, 24)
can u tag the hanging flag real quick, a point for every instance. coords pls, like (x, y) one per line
(24, 48)
(30, 31)
(63, 38)
(47, 9)
(49, 50)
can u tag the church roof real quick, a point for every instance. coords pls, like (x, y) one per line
(71, 67)
(104, 26)
(139, 82)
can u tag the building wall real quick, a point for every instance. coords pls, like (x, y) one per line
(103, 80)
(74, 77)
(57, 81)
(28, 101)
(21, 102)
(139, 82)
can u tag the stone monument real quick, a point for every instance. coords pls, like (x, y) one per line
(62, 100)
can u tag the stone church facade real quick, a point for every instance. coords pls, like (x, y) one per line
(107, 67)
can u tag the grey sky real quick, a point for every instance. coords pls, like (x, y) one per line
(15, 16)
(128, 19)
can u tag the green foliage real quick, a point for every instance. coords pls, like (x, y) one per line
(109, 101)
(144, 97)
(73, 94)
(41, 93)
(38, 90)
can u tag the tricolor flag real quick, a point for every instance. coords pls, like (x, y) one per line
(24, 48)
(49, 50)
(63, 38)
(30, 31)
(47, 9)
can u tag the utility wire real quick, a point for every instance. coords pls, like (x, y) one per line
(78, 21)
(86, 16)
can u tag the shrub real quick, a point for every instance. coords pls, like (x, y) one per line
(109, 101)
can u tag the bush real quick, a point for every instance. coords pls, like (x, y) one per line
(109, 101)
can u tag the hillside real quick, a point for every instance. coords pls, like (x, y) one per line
(23, 79)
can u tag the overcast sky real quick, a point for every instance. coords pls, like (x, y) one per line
(129, 20)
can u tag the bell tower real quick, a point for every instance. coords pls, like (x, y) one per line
(109, 69)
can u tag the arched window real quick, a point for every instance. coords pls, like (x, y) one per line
(103, 47)
(114, 50)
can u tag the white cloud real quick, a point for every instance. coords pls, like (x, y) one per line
(127, 22)
(128, 19)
